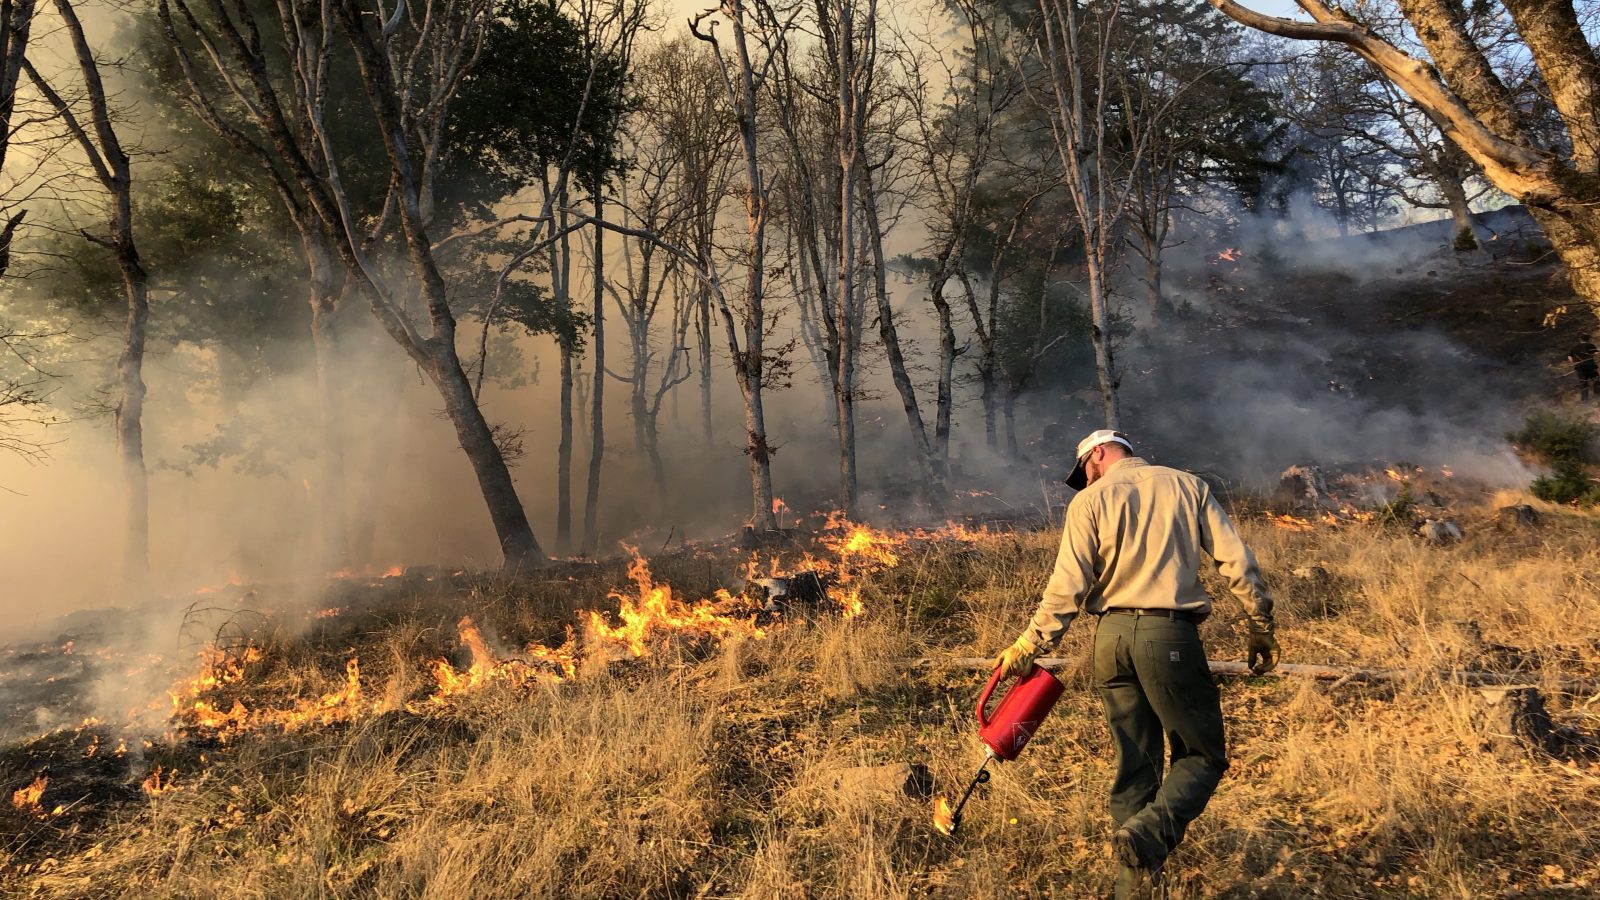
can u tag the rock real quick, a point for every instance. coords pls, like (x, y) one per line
(1513, 720)
(909, 779)
(1520, 515)
(782, 593)
(1302, 486)
(1440, 531)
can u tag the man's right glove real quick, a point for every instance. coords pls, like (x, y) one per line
(1263, 649)
(1017, 659)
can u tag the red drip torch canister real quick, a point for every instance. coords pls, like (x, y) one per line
(1019, 713)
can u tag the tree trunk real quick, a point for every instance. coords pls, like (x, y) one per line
(329, 489)
(1465, 97)
(946, 378)
(1104, 364)
(130, 410)
(1009, 408)
(927, 462)
(704, 304)
(560, 279)
(324, 293)
(986, 376)
(517, 543)
(597, 442)
(1463, 228)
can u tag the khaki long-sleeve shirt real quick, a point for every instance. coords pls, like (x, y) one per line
(1133, 540)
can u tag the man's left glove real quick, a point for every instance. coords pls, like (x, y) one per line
(1263, 649)
(1017, 659)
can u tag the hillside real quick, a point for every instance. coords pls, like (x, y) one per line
(331, 752)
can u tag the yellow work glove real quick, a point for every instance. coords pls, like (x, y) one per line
(1017, 659)
(1263, 649)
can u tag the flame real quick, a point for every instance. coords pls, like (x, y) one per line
(1394, 474)
(1231, 254)
(861, 543)
(944, 818)
(1445, 471)
(1292, 523)
(486, 669)
(650, 613)
(656, 611)
(27, 799)
(778, 506)
(330, 612)
(155, 784)
(234, 580)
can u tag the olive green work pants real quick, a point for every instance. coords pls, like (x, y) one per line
(1156, 684)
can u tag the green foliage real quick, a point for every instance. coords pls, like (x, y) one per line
(1563, 443)
(1402, 510)
(1569, 484)
(1554, 439)
(524, 107)
(1466, 241)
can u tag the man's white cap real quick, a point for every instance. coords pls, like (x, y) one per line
(1079, 478)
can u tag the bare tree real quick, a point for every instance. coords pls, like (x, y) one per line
(746, 327)
(955, 145)
(1105, 114)
(98, 141)
(1465, 95)
(16, 23)
(656, 205)
(410, 73)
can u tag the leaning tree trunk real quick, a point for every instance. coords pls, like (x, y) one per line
(1459, 89)
(928, 465)
(517, 543)
(597, 443)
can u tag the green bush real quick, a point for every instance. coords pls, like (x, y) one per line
(1554, 439)
(1569, 484)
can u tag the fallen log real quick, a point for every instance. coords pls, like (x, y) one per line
(1343, 674)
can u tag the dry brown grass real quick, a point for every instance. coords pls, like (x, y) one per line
(709, 771)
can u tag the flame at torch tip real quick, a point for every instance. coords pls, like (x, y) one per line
(944, 818)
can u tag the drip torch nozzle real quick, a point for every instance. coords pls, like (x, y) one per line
(949, 824)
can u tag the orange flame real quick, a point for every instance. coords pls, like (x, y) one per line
(656, 611)
(1292, 523)
(944, 818)
(486, 669)
(155, 784)
(27, 799)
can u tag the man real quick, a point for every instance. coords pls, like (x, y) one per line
(1581, 359)
(1130, 554)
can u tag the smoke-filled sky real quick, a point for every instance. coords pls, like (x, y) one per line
(1238, 393)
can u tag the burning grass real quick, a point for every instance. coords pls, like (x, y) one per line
(574, 766)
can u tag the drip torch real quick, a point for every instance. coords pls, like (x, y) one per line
(1015, 719)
